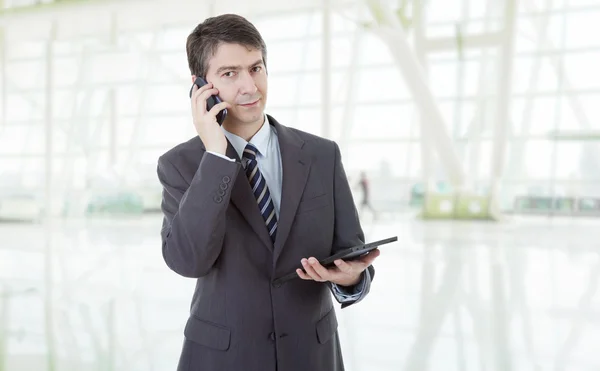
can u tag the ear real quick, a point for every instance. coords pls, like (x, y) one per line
(193, 78)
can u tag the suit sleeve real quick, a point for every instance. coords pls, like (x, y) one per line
(193, 226)
(348, 232)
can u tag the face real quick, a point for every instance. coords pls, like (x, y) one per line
(240, 76)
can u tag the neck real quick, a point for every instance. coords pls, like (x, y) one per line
(243, 130)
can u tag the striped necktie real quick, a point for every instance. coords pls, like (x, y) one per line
(260, 190)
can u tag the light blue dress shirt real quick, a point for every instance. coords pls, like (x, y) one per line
(269, 164)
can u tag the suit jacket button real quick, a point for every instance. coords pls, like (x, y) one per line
(221, 192)
(277, 284)
(226, 179)
(272, 336)
(223, 186)
(218, 199)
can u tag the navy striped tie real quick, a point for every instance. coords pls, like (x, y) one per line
(260, 190)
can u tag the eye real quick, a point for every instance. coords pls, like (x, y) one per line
(229, 74)
(257, 68)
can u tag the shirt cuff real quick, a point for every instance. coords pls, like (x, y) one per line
(220, 155)
(346, 294)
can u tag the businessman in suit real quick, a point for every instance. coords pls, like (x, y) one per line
(250, 201)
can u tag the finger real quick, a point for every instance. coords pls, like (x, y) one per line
(303, 275)
(201, 97)
(343, 266)
(218, 107)
(203, 93)
(310, 271)
(370, 257)
(196, 91)
(323, 272)
(194, 95)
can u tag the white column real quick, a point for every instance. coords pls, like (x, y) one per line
(349, 102)
(50, 209)
(112, 102)
(49, 125)
(504, 97)
(3, 72)
(426, 148)
(481, 113)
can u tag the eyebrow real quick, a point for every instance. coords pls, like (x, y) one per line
(238, 67)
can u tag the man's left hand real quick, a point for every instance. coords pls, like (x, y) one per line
(345, 273)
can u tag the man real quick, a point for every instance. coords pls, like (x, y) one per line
(248, 202)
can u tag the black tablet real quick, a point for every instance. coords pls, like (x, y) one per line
(350, 253)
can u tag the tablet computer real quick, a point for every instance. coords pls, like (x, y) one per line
(348, 254)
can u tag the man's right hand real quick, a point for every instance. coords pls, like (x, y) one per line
(205, 121)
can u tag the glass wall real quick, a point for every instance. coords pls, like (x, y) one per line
(110, 124)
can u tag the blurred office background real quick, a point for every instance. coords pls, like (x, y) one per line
(476, 122)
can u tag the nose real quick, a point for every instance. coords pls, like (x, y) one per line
(247, 85)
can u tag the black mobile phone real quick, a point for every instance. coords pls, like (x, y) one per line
(211, 101)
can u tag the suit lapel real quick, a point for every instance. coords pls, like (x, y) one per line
(243, 198)
(296, 167)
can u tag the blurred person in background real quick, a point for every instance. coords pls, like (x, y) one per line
(247, 202)
(365, 201)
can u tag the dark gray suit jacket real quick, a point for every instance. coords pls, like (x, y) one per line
(213, 231)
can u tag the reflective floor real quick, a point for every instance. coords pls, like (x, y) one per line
(517, 295)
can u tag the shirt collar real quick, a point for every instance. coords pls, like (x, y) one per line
(261, 140)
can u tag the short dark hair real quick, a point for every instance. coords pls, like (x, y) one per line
(203, 42)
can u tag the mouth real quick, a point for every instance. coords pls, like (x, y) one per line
(251, 104)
